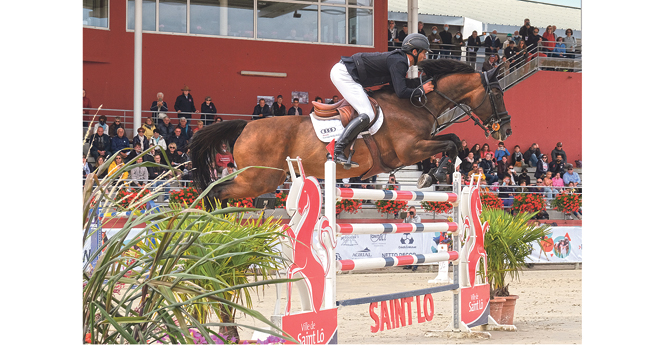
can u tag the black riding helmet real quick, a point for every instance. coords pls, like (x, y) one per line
(415, 41)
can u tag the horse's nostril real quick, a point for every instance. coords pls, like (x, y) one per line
(509, 131)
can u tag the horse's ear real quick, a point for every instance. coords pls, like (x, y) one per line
(493, 73)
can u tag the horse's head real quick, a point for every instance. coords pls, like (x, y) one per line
(493, 112)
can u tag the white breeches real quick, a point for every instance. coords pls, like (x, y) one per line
(352, 91)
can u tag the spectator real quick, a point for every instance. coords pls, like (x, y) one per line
(278, 109)
(557, 183)
(435, 40)
(261, 110)
(446, 41)
(208, 110)
(391, 35)
(218, 119)
(141, 139)
(112, 130)
(173, 154)
(468, 163)
(532, 155)
(516, 38)
(87, 168)
(571, 43)
(117, 164)
(492, 43)
(570, 176)
(179, 140)
(119, 144)
(228, 170)
(521, 55)
(403, 33)
(412, 217)
(149, 128)
(101, 123)
(505, 192)
(224, 157)
(200, 125)
(523, 177)
(541, 166)
(159, 108)
(100, 144)
(533, 40)
(159, 141)
(166, 128)
(549, 39)
(136, 151)
(101, 174)
(160, 175)
(186, 131)
(560, 48)
(502, 166)
(511, 172)
(392, 184)
(526, 30)
(490, 63)
(295, 110)
(476, 150)
(317, 99)
(335, 99)
(501, 151)
(557, 166)
(184, 104)
(186, 174)
(420, 28)
(473, 44)
(548, 190)
(475, 171)
(559, 151)
(488, 168)
(486, 149)
(517, 158)
(510, 53)
(457, 43)
(463, 150)
(139, 175)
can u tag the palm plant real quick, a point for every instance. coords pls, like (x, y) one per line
(508, 242)
(168, 288)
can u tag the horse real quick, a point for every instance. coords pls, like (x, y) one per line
(405, 137)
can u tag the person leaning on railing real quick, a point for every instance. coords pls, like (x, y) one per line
(571, 43)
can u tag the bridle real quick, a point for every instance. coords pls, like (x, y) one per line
(490, 125)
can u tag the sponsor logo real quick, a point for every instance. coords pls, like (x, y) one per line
(407, 239)
(328, 130)
(348, 241)
(362, 253)
(337, 256)
(387, 255)
(378, 238)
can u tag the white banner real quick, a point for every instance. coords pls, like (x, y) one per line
(564, 245)
(350, 247)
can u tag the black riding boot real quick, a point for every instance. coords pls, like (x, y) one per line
(351, 132)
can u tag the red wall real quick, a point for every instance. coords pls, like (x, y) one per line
(210, 66)
(545, 108)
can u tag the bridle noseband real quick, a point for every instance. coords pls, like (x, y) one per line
(490, 125)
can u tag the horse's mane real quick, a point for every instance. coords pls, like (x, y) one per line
(441, 68)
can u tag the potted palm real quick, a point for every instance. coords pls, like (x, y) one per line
(508, 242)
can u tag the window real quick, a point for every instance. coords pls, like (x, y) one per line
(148, 15)
(172, 15)
(333, 24)
(360, 24)
(95, 13)
(222, 17)
(287, 21)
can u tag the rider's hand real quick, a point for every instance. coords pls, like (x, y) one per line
(428, 87)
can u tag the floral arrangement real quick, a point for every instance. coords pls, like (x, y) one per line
(126, 197)
(348, 205)
(280, 201)
(437, 206)
(567, 202)
(528, 202)
(185, 196)
(247, 202)
(490, 201)
(390, 206)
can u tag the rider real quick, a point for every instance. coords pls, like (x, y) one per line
(352, 74)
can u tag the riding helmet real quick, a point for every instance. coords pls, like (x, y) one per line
(415, 41)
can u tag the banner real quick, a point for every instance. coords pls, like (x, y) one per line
(350, 247)
(563, 245)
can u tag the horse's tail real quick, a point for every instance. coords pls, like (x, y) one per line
(206, 143)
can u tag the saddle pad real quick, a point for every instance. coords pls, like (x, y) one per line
(328, 128)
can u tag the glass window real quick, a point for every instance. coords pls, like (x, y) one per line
(222, 17)
(340, 2)
(360, 26)
(361, 2)
(333, 24)
(172, 15)
(95, 13)
(148, 15)
(287, 21)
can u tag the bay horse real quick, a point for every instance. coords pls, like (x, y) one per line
(404, 138)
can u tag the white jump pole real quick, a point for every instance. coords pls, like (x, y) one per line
(330, 201)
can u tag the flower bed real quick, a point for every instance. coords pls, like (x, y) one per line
(348, 205)
(127, 197)
(567, 202)
(490, 201)
(390, 206)
(437, 206)
(185, 197)
(529, 203)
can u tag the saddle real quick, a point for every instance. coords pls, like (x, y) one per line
(342, 109)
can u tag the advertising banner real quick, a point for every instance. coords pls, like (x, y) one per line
(564, 245)
(350, 247)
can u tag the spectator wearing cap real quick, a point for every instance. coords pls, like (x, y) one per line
(278, 109)
(295, 110)
(403, 33)
(159, 107)
(166, 128)
(159, 141)
(261, 110)
(141, 139)
(571, 176)
(184, 104)
(208, 110)
(119, 143)
(186, 130)
(558, 151)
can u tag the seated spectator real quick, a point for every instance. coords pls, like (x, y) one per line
(511, 173)
(218, 118)
(224, 157)
(464, 150)
(200, 125)
(261, 110)
(295, 110)
(186, 131)
(501, 151)
(214, 172)
(157, 140)
(541, 166)
(474, 171)
(149, 128)
(102, 123)
(117, 164)
(392, 184)
(231, 168)
(317, 99)
(120, 144)
(159, 108)
(476, 150)
(532, 155)
(335, 99)
(136, 151)
(517, 157)
(488, 169)
(557, 166)
(560, 48)
(523, 177)
(486, 149)
(101, 174)
(570, 176)
(186, 174)
(160, 175)
(490, 63)
(468, 163)
(100, 144)
(141, 139)
(179, 141)
(139, 175)
(208, 110)
(502, 167)
(506, 192)
(548, 191)
(112, 130)
(559, 151)
(166, 128)
(278, 109)
(173, 154)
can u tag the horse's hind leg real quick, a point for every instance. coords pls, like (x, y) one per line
(434, 146)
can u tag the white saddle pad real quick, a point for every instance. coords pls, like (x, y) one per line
(328, 128)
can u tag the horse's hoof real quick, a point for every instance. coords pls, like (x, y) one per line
(424, 181)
